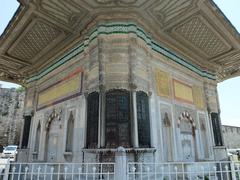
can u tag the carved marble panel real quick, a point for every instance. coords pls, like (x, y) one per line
(167, 124)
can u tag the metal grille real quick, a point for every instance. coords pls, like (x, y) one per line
(92, 119)
(117, 119)
(216, 129)
(143, 119)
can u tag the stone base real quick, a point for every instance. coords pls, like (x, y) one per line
(220, 153)
(23, 155)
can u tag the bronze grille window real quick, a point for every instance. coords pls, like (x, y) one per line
(26, 130)
(216, 129)
(143, 119)
(117, 119)
(92, 119)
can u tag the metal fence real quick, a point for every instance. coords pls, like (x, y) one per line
(184, 171)
(131, 171)
(57, 171)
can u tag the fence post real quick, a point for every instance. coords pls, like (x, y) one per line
(233, 172)
(6, 171)
(121, 164)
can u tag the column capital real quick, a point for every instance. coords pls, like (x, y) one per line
(133, 86)
(150, 93)
(102, 87)
(28, 112)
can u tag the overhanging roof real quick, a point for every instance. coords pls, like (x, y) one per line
(195, 29)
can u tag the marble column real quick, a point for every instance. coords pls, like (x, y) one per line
(134, 120)
(102, 103)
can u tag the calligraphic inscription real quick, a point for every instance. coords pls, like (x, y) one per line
(182, 92)
(117, 119)
(198, 97)
(162, 83)
(66, 87)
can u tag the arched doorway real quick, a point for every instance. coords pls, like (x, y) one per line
(187, 136)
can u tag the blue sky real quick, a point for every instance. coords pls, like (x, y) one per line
(229, 95)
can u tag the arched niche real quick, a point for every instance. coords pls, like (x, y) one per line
(187, 136)
(69, 133)
(52, 126)
(37, 138)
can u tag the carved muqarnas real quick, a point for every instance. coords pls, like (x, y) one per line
(185, 116)
(52, 116)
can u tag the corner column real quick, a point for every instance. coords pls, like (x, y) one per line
(102, 123)
(134, 118)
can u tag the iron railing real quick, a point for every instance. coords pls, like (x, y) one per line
(57, 171)
(184, 171)
(224, 170)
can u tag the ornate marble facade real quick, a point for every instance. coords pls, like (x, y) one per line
(114, 89)
(134, 73)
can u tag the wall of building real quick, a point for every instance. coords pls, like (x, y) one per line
(11, 115)
(231, 136)
(180, 100)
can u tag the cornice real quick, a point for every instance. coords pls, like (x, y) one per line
(121, 28)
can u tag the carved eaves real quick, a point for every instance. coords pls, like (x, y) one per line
(194, 29)
(35, 39)
(166, 11)
(201, 35)
(67, 12)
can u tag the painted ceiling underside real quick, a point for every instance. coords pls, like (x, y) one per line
(194, 29)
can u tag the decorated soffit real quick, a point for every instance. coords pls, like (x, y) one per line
(193, 29)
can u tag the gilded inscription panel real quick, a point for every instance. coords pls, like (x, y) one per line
(162, 83)
(183, 92)
(198, 97)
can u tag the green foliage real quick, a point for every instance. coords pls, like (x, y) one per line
(20, 89)
(4, 113)
(206, 178)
